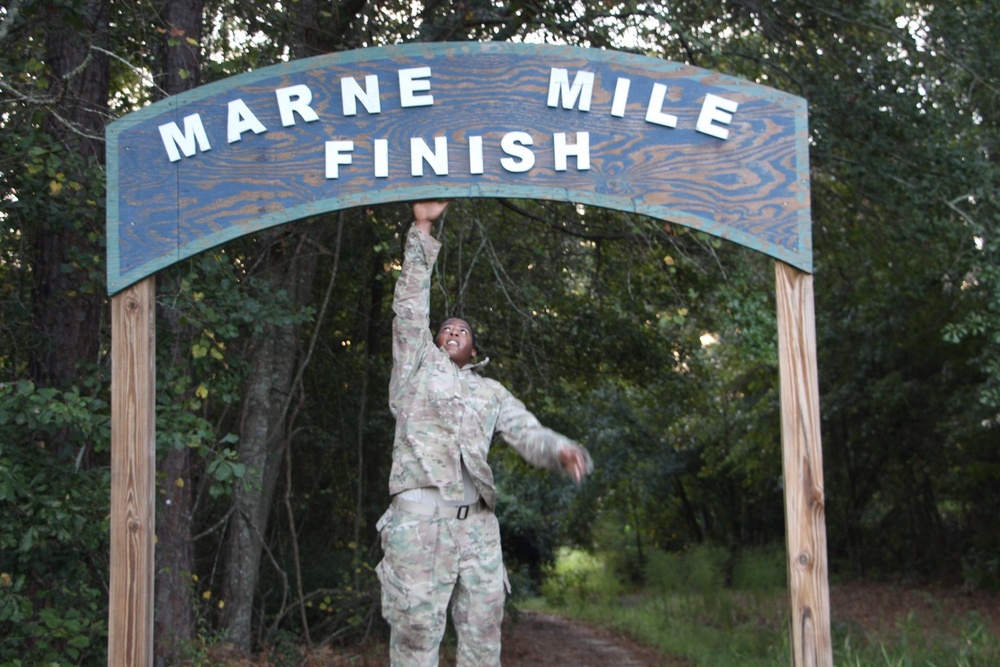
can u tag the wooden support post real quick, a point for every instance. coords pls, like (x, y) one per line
(133, 469)
(802, 464)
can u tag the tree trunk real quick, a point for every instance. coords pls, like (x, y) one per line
(173, 611)
(263, 436)
(65, 244)
(182, 45)
(267, 394)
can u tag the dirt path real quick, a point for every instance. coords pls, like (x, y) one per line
(544, 640)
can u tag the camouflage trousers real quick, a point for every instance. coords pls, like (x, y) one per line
(431, 565)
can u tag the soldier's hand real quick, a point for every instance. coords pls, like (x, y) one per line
(574, 462)
(427, 211)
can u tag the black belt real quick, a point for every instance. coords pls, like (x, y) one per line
(446, 511)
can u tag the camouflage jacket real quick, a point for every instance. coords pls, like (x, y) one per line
(444, 413)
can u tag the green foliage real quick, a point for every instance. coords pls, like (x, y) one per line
(761, 569)
(54, 542)
(51, 418)
(716, 609)
(529, 507)
(686, 611)
(963, 642)
(701, 570)
(210, 309)
(578, 578)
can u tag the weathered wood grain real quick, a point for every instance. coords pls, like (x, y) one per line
(133, 467)
(802, 460)
(751, 188)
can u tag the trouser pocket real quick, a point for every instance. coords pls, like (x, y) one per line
(395, 593)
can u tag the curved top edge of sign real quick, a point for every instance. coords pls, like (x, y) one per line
(425, 49)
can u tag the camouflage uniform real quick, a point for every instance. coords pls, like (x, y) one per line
(446, 416)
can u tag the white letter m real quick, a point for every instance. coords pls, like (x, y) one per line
(583, 88)
(177, 142)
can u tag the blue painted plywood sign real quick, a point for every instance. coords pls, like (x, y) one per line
(453, 120)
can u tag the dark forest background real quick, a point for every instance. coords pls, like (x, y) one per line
(652, 344)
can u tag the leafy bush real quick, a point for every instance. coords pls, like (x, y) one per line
(578, 577)
(762, 569)
(686, 609)
(702, 570)
(54, 541)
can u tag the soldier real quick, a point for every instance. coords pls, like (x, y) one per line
(440, 537)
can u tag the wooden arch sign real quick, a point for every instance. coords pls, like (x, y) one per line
(453, 120)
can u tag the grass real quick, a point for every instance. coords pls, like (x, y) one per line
(716, 611)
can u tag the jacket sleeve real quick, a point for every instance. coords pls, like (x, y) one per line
(411, 337)
(538, 445)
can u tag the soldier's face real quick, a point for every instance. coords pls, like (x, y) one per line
(455, 336)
